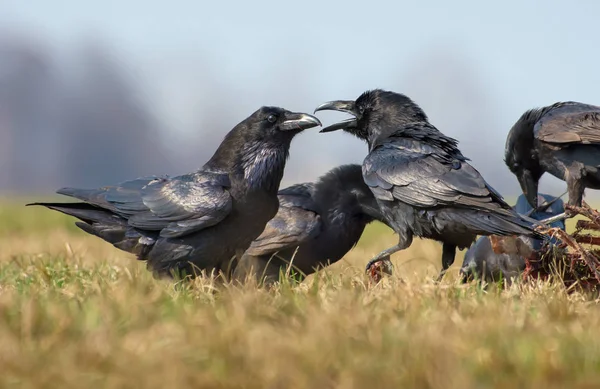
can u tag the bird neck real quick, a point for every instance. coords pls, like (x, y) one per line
(261, 166)
(254, 164)
(521, 136)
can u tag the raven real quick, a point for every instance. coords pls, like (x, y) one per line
(199, 220)
(424, 185)
(482, 262)
(562, 139)
(316, 225)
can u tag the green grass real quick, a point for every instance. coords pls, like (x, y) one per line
(75, 312)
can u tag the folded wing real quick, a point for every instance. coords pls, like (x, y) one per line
(296, 221)
(570, 124)
(174, 206)
(421, 176)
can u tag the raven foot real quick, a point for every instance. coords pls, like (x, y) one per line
(383, 258)
(376, 268)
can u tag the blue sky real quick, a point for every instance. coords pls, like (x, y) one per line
(474, 66)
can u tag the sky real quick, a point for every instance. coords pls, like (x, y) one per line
(473, 66)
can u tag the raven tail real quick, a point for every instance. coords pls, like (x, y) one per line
(107, 226)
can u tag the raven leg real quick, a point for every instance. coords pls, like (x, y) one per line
(403, 243)
(575, 187)
(448, 254)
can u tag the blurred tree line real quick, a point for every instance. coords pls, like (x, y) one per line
(77, 125)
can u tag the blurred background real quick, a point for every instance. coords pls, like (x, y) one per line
(97, 93)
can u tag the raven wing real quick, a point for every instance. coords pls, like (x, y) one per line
(424, 176)
(174, 206)
(570, 124)
(296, 221)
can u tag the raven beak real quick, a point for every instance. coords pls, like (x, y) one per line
(299, 122)
(346, 106)
(339, 105)
(529, 187)
(343, 125)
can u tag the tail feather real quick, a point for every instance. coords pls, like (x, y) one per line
(95, 197)
(125, 199)
(107, 226)
(85, 212)
(122, 237)
(492, 223)
(81, 194)
(110, 233)
(529, 224)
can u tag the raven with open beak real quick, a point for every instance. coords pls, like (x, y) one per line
(423, 184)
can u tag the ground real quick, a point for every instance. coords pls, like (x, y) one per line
(75, 312)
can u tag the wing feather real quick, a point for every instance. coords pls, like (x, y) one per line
(185, 204)
(570, 124)
(296, 221)
(174, 206)
(424, 177)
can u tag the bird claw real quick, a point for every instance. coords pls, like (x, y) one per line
(376, 268)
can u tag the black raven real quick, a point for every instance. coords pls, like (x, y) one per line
(482, 262)
(562, 139)
(200, 220)
(424, 185)
(316, 225)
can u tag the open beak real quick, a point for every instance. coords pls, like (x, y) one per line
(346, 106)
(299, 122)
(529, 187)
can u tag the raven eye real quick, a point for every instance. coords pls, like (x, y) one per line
(272, 118)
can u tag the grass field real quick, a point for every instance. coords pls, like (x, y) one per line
(75, 312)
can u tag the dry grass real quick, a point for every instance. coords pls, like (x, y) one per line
(74, 312)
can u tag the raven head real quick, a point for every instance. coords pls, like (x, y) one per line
(521, 158)
(257, 147)
(373, 111)
(276, 123)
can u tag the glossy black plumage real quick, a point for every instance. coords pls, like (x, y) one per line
(424, 185)
(562, 139)
(316, 225)
(201, 220)
(482, 262)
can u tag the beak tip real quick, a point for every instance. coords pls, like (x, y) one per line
(329, 129)
(314, 123)
(321, 107)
